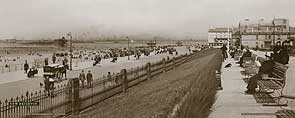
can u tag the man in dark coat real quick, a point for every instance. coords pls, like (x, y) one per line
(26, 66)
(265, 68)
(82, 78)
(53, 59)
(283, 54)
(89, 79)
(276, 50)
(224, 53)
(46, 61)
(246, 54)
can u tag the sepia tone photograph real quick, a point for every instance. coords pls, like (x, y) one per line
(147, 59)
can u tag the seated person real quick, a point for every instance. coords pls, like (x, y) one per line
(265, 68)
(246, 54)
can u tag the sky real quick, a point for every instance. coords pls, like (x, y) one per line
(47, 18)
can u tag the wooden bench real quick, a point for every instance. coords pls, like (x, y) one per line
(261, 59)
(249, 61)
(275, 82)
(238, 55)
(285, 114)
(250, 65)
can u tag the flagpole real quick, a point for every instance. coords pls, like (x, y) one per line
(71, 49)
(128, 48)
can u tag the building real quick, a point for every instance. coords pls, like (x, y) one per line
(7, 38)
(265, 34)
(219, 36)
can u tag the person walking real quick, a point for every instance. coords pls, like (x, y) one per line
(26, 66)
(47, 85)
(46, 61)
(89, 79)
(224, 53)
(82, 78)
(109, 77)
(53, 59)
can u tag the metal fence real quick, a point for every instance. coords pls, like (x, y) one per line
(38, 63)
(20, 67)
(59, 102)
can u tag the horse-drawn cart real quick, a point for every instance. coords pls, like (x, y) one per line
(55, 71)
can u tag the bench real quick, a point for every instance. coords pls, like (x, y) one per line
(285, 114)
(276, 82)
(238, 55)
(249, 61)
(250, 65)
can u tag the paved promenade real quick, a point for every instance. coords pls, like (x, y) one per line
(232, 102)
(16, 83)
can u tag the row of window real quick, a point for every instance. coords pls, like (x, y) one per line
(269, 37)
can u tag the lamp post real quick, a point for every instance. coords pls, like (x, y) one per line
(241, 33)
(274, 32)
(260, 23)
(128, 48)
(240, 36)
(71, 49)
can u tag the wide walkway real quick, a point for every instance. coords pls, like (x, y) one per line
(15, 84)
(232, 102)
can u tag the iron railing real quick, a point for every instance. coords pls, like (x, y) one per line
(58, 102)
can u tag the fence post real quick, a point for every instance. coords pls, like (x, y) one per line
(164, 65)
(75, 96)
(148, 70)
(185, 58)
(124, 80)
(0, 109)
(174, 63)
(104, 81)
(218, 78)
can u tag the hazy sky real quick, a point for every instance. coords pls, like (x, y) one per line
(27, 17)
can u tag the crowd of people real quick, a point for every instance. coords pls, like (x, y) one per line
(86, 80)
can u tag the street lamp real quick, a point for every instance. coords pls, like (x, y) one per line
(240, 36)
(260, 23)
(71, 49)
(240, 32)
(128, 47)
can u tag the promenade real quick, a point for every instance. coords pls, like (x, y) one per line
(14, 84)
(232, 102)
